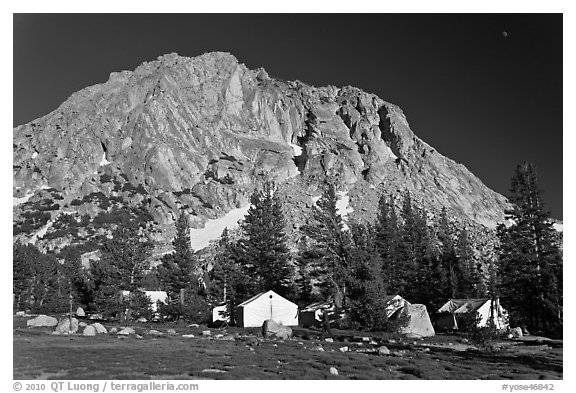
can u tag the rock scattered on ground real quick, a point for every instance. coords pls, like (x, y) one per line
(333, 371)
(41, 321)
(67, 325)
(126, 331)
(206, 333)
(188, 335)
(153, 332)
(344, 349)
(383, 350)
(100, 329)
(89, 331)
(171, 332)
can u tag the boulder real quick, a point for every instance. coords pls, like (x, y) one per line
(383, 350)
(193, 325)
(82, 324)
(419, 324)
(188, 335)
(516, 332)
(80, 312)
(20, 313)
(153, 332)
(272, 329)
(333, 371)
(127, 331)
(142, 320)
(114, 330)
(329, 340)
(344, 349)
(42, 320)
(89, 331)
(100, 329)
(67, 325)
(206, 333)
(171, 332)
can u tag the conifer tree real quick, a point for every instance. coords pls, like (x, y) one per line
(448, 258)
(330, 244)
(387, 240)
(263, 252)
(121, 266)
(469, 277)
(530, 261)
(306, 273)
(177, 269)
(229, 284)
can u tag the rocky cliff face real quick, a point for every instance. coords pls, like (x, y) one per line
(198, 134)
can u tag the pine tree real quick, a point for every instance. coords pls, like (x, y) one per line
(121, 266)
(469, 277)
(263, 252)
(449, 261)
(416, 253)
(330, 243)
(306, 273)
(229, 284)
(176, 272)
(387, 240)
(530, 261)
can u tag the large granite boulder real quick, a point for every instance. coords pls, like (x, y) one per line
(67, 325)
(272, 329)
(89, 331)
(41, 321)
(419, 324)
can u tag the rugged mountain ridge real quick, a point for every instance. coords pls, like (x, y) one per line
(198, 134)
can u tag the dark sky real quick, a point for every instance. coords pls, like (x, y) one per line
(482, 97)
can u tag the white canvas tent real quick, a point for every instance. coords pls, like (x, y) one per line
(486, 308)
(266, 305)
(154, 296)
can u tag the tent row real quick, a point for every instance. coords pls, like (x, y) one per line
(269, 305)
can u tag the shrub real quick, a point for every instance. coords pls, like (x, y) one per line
(483, 337)
(195, 308)
(140, 305)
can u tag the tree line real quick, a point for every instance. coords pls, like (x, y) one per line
(406, 251)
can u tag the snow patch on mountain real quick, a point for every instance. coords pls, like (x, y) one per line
(201, 237)
(297, 149)
(24, 199)
(104, 161)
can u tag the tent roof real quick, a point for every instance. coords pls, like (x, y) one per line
(253, 298)
(461, 306)
(318, 306)
(389, 298)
